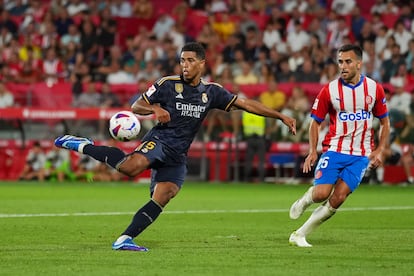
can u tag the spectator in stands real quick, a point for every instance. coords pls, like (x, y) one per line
(108, 99)
(153, 51)
(76, 7)
(89, 98)
(338, 32)
(6, 21)
(109, 63)
(298, 38)
(410, 55)
(13, 66)
(150, 73)
(254, 133)
(307, 72)
(402, 36)
(29, 49)
(381, 39)
(106, 31)
(390, 66)
(6, 97)
(274, 98)
(205, 35)
(176, 36)
(329, 73)
(53, 70)
(317, 34)
(121, 8)
(391, 155)
(379, 7)
(406, 16)
(33, 169)
(49, 37)
(119, 75)
(89, 42)
(57, 165)
(80, 75)
(246, 24)
(297, 106)
(5, 36)
(401, 99)
(163, 25)
(366, 34)
(265, 74)
(343, 7)
(19, 8)
(237, 64)
(85, 168)
(271, 35)
(63, 21)
(143, 9)
(224, 26)
(370, 70)
(247, 75)
(357, 24)
(28, 74)
(72, 35)
(217, 6)
(285, 74)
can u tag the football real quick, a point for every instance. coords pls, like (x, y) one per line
(124, 126)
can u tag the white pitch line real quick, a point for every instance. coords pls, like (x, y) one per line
(90, 214)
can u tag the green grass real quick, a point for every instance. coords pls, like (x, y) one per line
(209, 229)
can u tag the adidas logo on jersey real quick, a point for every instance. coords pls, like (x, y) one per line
(179, 96)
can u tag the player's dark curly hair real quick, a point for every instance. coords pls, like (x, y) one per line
(350, 47)
(195, 47)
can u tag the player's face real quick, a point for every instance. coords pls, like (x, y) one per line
(191, 67)
(349, 67)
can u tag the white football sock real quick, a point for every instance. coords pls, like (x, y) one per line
(380, 174)
(308, 196)
(319, 215)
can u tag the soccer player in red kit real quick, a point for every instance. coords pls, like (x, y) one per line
(352, 101)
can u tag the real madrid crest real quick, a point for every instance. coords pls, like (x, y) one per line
(179, 87)
(204, 98)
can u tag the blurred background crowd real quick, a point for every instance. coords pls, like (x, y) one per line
(263, 44)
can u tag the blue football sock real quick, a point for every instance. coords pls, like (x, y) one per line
(109, 155)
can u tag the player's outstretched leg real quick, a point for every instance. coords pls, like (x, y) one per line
(300, 205)
(141, 220)
(72, 142)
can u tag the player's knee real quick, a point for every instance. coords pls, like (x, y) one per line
(320, 195)
(133, 165)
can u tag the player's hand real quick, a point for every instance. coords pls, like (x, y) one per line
(162, 115)
(291, 123)
(375, 159)
(310, 161)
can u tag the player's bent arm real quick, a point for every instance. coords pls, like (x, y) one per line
(314, 136)
(142, 107)
(384, 133)
(253, 106)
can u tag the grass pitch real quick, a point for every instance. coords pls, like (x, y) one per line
(209, 229)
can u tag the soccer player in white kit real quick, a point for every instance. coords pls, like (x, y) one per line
(352, 101)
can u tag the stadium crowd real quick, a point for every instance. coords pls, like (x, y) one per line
(268, 42)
